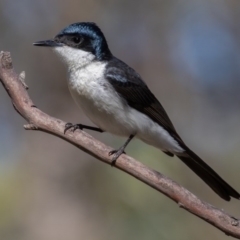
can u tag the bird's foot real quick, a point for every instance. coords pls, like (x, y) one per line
(80, 126)
(73, 127)
(116, 154)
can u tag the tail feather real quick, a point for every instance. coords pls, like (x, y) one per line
(209, 176)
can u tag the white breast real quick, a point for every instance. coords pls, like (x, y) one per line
(99, 100)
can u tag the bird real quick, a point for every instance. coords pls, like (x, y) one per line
(117, 100)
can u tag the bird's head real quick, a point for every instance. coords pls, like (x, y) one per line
(79, 42)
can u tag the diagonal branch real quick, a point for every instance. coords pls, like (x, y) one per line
(38, 120)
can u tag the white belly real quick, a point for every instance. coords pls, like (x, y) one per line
(108, 111)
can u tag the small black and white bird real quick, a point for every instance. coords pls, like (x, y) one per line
(117, 100)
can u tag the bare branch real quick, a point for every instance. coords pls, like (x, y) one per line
(38, 120)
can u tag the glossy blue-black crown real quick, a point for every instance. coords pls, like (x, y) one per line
(93, 37)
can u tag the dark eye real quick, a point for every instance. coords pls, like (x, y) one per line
(76, 40)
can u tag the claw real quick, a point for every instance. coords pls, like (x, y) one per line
(81, 127)
(112, 152)
(116, 154)
(73, 126)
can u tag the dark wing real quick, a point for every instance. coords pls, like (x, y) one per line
(132, 88)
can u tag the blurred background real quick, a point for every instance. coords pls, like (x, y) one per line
(188, 52)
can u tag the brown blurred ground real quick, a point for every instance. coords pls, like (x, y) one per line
(187, 52)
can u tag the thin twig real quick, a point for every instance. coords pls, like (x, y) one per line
(40, 121)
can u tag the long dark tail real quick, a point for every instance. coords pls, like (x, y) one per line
(209, 176)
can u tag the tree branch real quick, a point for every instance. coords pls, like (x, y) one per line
(38, 120)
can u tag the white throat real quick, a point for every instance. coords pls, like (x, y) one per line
(74, 58)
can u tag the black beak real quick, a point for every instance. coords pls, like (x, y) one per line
(47, 43)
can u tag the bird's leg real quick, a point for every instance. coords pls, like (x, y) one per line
(119, 151)
(80, 126)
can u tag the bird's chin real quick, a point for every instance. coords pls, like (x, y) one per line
(73, 58)
(63, 53)
(59, 50)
